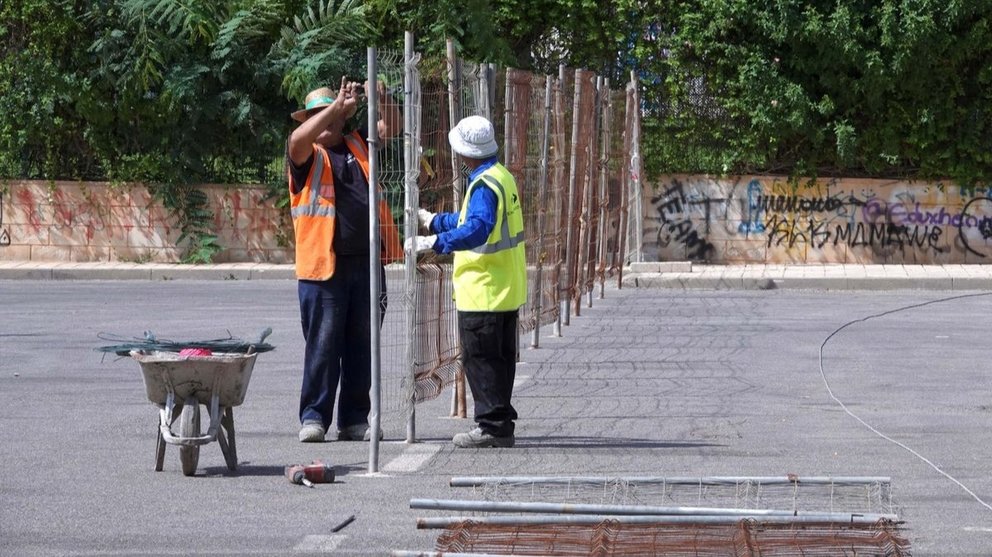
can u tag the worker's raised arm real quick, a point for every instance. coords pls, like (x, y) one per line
(302, 139)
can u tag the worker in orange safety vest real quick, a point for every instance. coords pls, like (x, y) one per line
(328, 167)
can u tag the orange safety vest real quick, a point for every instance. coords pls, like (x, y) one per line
(313, 213)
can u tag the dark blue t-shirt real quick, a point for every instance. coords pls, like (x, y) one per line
(351, 199)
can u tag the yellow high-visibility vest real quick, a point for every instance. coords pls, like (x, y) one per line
(493, 276)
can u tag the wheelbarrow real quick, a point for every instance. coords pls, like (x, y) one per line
(179, 384)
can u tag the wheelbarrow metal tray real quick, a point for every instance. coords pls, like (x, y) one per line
(222, 373)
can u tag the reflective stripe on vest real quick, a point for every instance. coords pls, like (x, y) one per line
(505, 240)
(314, 216)
(493, 276)
(313, 208)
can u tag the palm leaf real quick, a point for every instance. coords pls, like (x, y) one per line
(191, 20)
(342, 24)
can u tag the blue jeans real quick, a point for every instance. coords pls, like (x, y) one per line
(336, 328)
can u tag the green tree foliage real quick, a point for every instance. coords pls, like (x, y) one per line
(226, 70)
(527, 34)
(845, 87)
(469, 23)
(39, 88)
(174, 92)
(166, 92)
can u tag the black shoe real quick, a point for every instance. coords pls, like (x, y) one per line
(358, 432)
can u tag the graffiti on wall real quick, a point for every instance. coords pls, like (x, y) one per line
(4, 233)
(79, 214)
(837, 220)
(752, 210)
(824, 221)
(675, 225)
(95, 221)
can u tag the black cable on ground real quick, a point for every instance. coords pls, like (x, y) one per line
(866, 424)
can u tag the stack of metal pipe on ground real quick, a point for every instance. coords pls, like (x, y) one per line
(853, 516)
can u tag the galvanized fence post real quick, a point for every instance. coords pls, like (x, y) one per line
(635, 171)
(411, 202)
(375, 264)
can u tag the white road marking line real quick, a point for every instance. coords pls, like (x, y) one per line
(412, 458)
(320, 543)
(519, 379)
(977, 529)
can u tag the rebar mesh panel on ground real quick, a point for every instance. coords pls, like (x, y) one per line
(856, 495)
(745, 537)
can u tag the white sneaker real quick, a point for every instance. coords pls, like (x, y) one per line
(312, 432)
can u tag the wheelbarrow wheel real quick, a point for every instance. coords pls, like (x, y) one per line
(189, 426)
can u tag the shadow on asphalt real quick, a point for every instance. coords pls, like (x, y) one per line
(269, 470)
(582, 442)
(603, 443)
(245, 470)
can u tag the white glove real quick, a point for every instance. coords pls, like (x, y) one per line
(425, 217)
(419, 244)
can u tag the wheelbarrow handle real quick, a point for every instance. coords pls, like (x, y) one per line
(265, 333)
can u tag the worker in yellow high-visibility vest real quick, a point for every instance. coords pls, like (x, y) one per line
(490, 278)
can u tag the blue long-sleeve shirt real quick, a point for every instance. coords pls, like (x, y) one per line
(480, 218)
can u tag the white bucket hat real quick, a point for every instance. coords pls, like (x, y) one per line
(474, 138)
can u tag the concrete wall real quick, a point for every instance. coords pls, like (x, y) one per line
(764, 219)
(749, 219)
(87, 221)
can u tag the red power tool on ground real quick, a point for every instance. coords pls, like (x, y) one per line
(315, 473)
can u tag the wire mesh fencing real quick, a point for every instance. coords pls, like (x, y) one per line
(393, 173)
(527, 120)
(564, 139)
(789, 494)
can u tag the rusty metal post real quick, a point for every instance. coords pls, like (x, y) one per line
(604, 190)
(542, 209)
(570, 236)
(459, 402)
(622, 232)
(561, 251)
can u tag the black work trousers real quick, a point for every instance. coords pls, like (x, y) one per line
(489, 356)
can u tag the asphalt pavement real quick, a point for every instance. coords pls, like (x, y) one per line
(756, 379)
